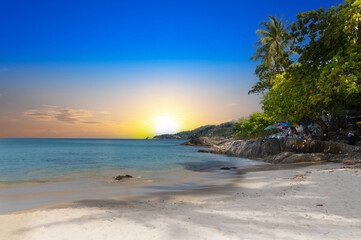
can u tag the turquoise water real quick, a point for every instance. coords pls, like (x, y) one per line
(35, 172)
(24, 160)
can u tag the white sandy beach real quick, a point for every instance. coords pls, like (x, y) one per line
(314, 202)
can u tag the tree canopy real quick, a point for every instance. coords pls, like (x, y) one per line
(273, 49)
(253, 127)
(327, 74)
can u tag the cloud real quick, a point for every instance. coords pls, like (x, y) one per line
(50, 106)
(231, 104)
(71, 115)
(66, 115)
(38, 115)
(90, 122)
(54, 113)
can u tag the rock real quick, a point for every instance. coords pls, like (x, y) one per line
(121, 177)
(278, 158)
(215, 151)
(353, 156)
(253, 149)
(349, 162)
(286, 150)
(227, 168)
(305, 157)
(206, 141)
(298, 145)
(289, 157)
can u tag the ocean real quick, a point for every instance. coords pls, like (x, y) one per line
(77, 167)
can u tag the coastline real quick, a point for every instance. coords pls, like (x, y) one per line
(287, 150)
(60, 181)
(302, 200)
(317, 201)
(32, 195)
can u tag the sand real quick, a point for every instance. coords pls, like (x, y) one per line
(314, 202)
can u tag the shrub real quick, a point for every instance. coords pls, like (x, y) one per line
(253, 127)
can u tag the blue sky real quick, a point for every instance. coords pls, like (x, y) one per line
(109, 68)
(112, 31)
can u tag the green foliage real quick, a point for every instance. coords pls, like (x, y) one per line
(329, 48)
(273, 49)
(327, 75)
(221, 130)
(253, 127)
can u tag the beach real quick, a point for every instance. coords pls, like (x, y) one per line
(36, 172)
(312, 202)
(191, 120)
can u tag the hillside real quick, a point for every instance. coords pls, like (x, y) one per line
(221, 130)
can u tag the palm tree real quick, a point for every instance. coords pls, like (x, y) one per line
(273, 45)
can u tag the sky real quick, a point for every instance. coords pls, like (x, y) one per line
(129, 69)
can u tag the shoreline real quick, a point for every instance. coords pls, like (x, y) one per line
(28, 195)
(317, 201)
(200, 181)
(190, 173)
(31, 195)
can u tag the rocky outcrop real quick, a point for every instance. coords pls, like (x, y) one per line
(290, 157)
(253, 149)
(215, 151)
(286, 150)
(206, 141)
(297, 145)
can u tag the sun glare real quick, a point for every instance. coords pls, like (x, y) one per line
(166, 125)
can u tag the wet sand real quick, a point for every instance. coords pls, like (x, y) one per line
(22, 196)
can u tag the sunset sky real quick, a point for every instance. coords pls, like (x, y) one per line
(129, 69)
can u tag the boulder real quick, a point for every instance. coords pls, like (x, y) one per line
(253, 149)
(120, 177)
(227, 168)
(290, 157)
(298, 145)
(286, 150)
(278, 158)
(215, 151)
(206, 141)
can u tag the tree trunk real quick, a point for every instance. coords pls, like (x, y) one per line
(294, 131)
(324, 128)
(306, 130)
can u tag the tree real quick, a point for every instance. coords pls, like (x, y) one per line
(327, 75)
(253, 127)
(273, 49)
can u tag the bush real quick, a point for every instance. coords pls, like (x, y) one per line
(253, 127)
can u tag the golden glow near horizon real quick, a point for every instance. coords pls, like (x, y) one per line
(164, 125)
(133, 105)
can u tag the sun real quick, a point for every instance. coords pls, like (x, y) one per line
(166, 125)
